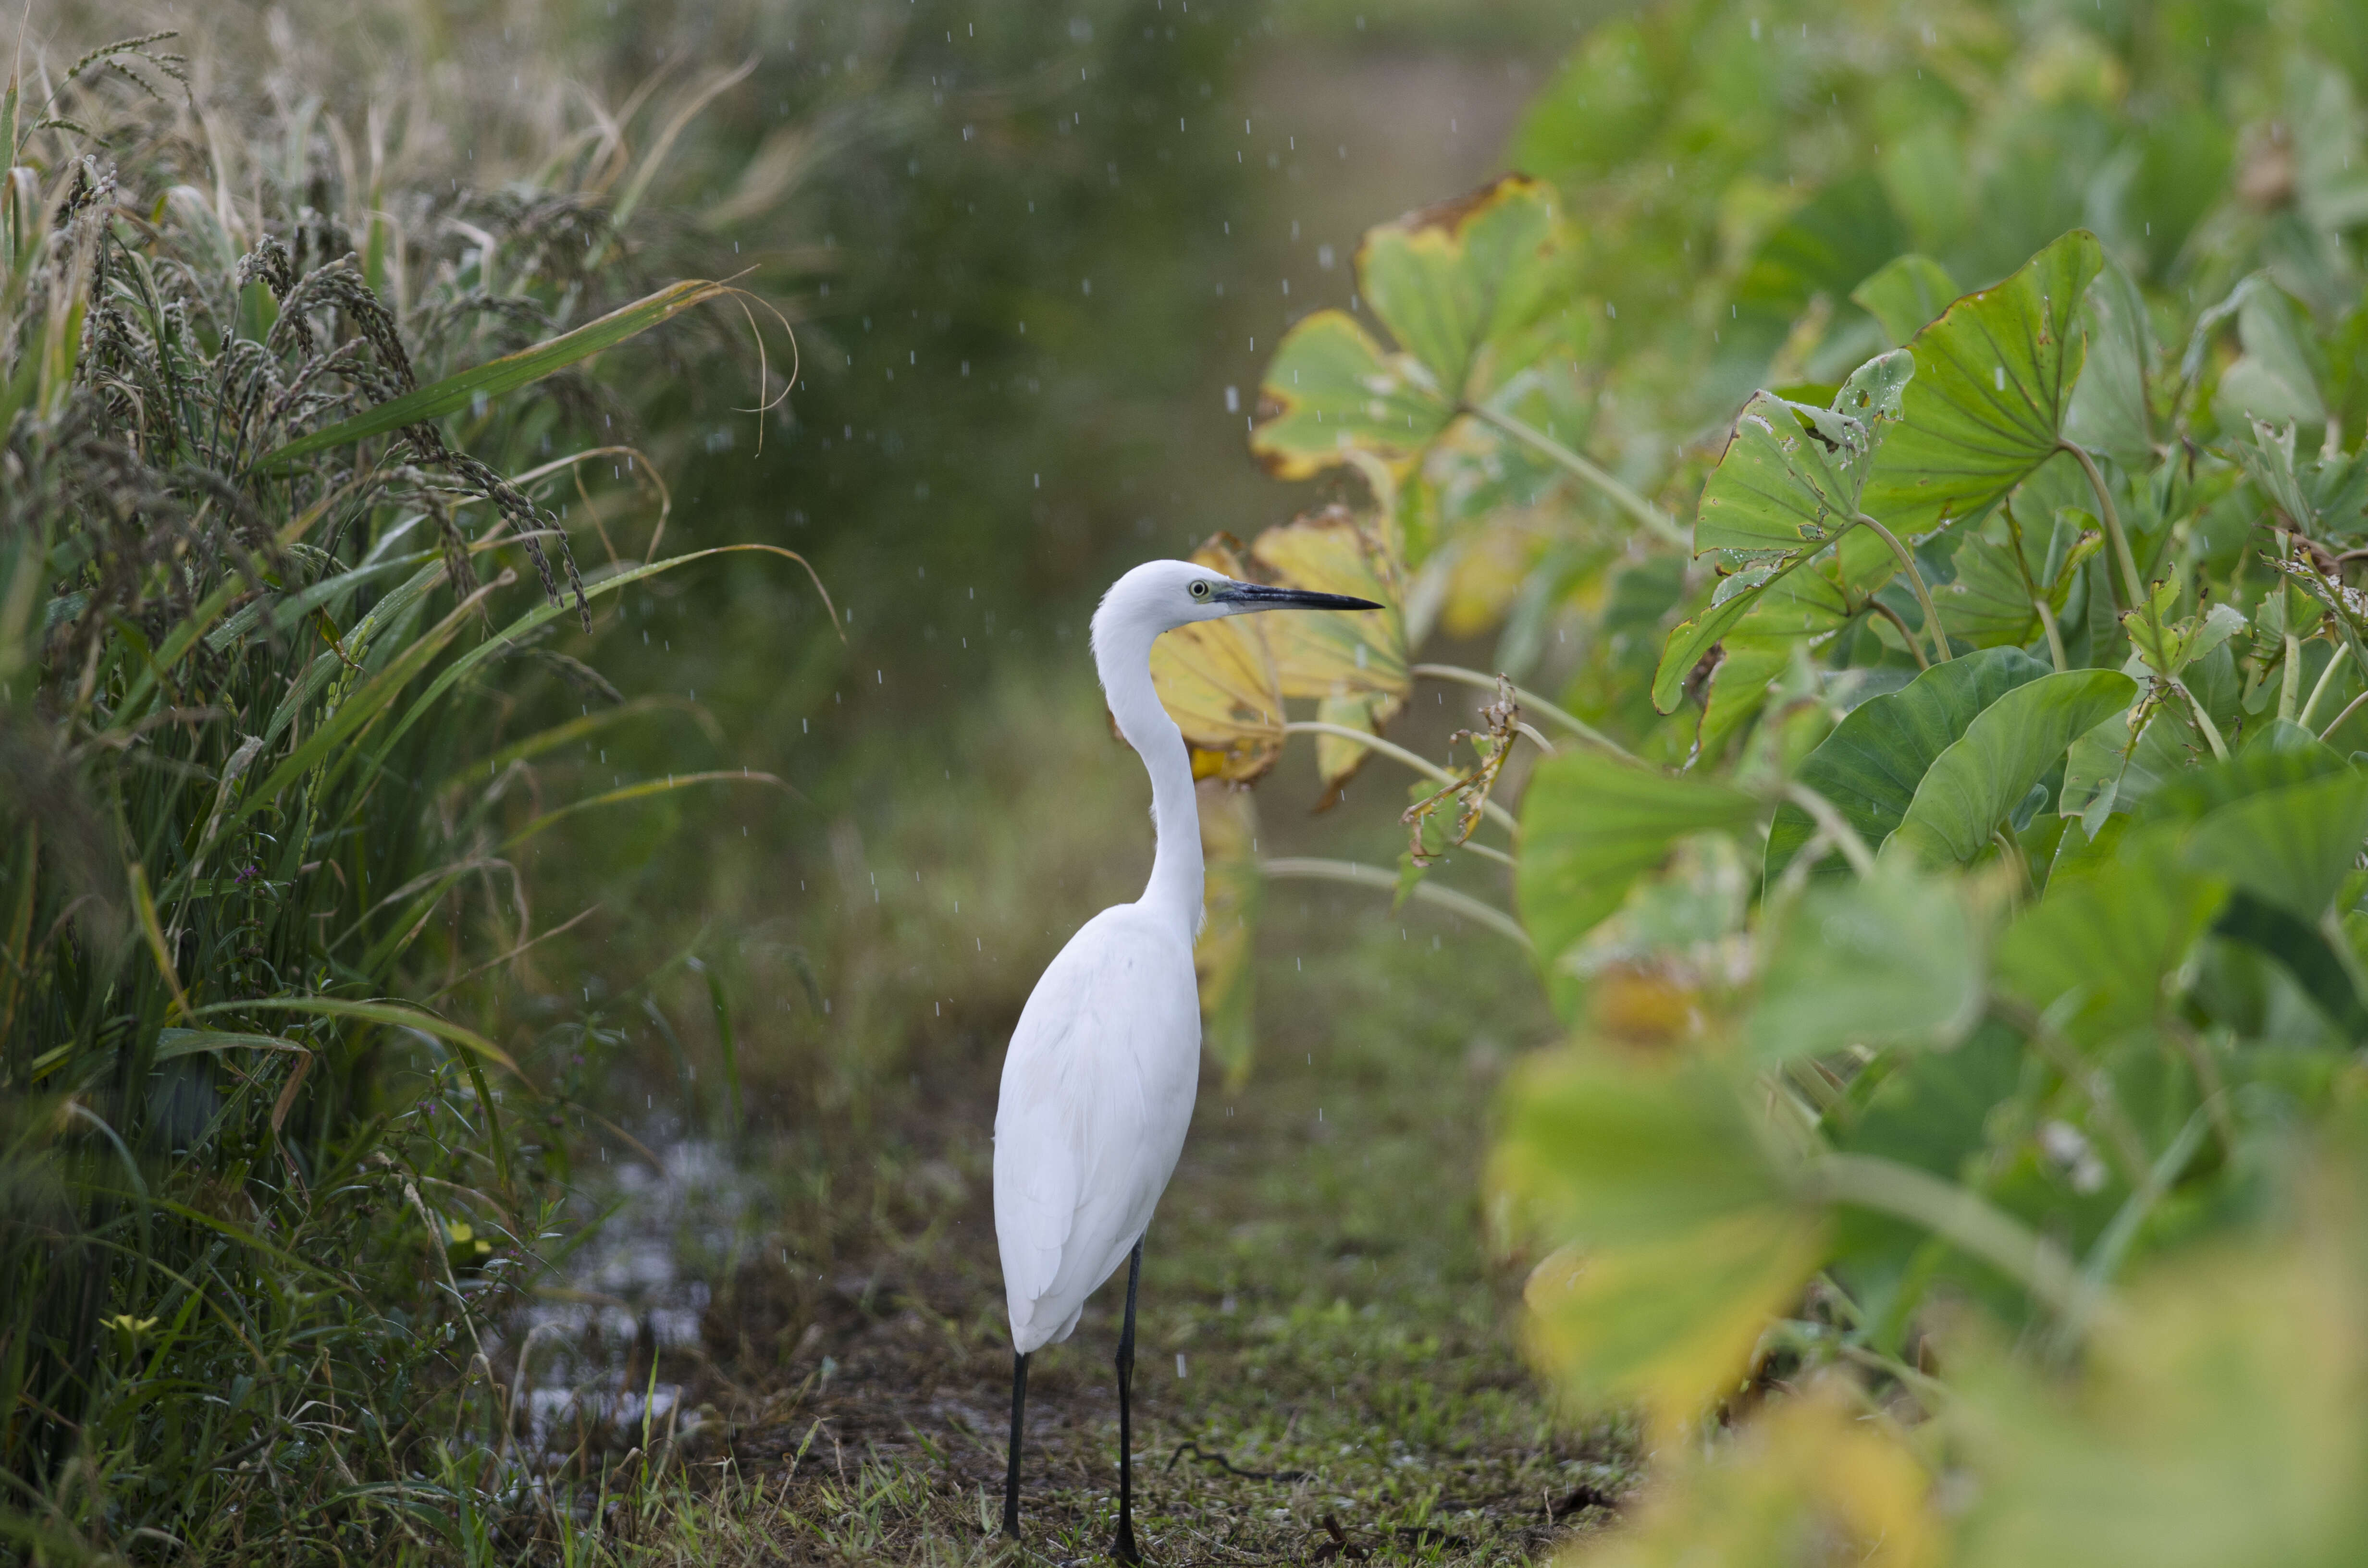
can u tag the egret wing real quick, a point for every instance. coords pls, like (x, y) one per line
(1096, 1092)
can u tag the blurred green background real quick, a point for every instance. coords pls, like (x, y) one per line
(1034, 260)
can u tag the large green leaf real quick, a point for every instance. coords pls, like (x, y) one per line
(2004, 753)
(2290, 846)
(1890, 960)
(1786, 486)
(2109, 410)
(1869, 766)
(1591, 824)
(497, 377)
(2009, 748)
(1994, 379)
(1457, 286)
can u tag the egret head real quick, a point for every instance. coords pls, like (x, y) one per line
(1160, 596)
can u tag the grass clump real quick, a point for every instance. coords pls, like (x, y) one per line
(272, 1158)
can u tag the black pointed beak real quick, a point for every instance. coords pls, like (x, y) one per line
(1258, 595)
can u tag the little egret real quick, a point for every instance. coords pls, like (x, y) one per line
(1098, 1083)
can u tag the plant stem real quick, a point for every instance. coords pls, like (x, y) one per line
(1308, 869)
(2131, 585)
(2349, 709)
(2318, 689)
(1957, 1215)
(1914, 580)
(2290, 677)
(1396, 753)
(1836, 828)
(2055, 637)
(1906, 632)
(1627, 500)
(2203, 721)
(1529, 700)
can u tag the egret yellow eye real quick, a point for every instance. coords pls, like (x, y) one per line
(1200, 590)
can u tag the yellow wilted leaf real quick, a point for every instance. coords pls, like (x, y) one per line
(1810, 1484)
(1221, 958)
(1679, 1239)
(1355, 664)
(1489, 569)
(1218, 681)
(1669, 1324)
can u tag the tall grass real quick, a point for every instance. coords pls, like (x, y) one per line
(272, 1160)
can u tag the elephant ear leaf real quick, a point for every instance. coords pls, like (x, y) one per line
(2290, 847)
(1869, 766)
(1448, 282)
(1786, 486)
(1976, 783)
(1994, 380)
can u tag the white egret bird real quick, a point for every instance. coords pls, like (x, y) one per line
(1098, 1083)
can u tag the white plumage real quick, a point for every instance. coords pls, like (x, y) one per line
(1098, 1083)
(1096, 1092)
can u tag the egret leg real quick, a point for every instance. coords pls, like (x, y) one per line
(1011, 1476)
(1123, 1547)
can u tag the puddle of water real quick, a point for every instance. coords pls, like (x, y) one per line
(626, 1292)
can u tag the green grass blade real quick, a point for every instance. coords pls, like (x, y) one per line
(394, 1014)
(497, 377)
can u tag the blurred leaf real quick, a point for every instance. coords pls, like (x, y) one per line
(2217, 1422)
(1682, 1242)
(2010, 745)
(1354, 664)
(1891, 960)
(2290, 846)
(1871, 765)
(1221, 957)
(2113, 932)
(1218, 681)
(1591, 824)
(2109, 411)
(1785, 487)
(2276, 377)
(1448, 281)
(1822, 250)
(1814, 1482)
(1994, 379)
(1906, 294)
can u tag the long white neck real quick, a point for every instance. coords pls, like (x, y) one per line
(1122, 659)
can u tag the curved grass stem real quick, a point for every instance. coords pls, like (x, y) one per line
(1955, 1214)
(1834, 825)
(2134, 589)
(1660, 523)
(1310, 868)
(1933, 628)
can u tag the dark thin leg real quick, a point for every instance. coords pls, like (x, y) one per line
(1011, 1476)
(1123, 1547)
